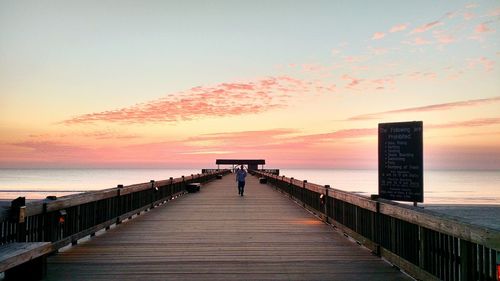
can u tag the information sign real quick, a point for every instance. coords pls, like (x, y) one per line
(400, 161)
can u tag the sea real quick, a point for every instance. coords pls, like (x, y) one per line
(440, 187)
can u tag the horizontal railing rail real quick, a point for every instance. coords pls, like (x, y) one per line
(69, 218)
(205, 171)
(425, 244)
(270, 171)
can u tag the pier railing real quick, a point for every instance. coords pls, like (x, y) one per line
(268, 171)
(65, 220)
(425, 244)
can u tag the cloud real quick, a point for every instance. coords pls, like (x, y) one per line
(378, 35)
(418, 75)
(468, 16)
(100, 135)
(355, 147)
(356, 83)
(353, 59)
(64, 154)
(443, 38)
(353, 81)
(426, 27)
(341, 134)
(250, 136)
(418, 41)
(314, 67)
(485, 62)
(494, 13)
(471, 6)
(225, 99)
(427, 108)
(482, 28)
(108, 134)
(398, 27)
(468, 123)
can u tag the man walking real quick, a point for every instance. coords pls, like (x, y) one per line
(240, 178)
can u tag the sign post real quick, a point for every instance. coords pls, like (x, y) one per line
(400, 161)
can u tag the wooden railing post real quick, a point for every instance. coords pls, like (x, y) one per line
(118, 204)
(465, 260)
(302, 191)
(375, 227)
(421, 249)
(326, 204)
(153, 190)
(18, 216)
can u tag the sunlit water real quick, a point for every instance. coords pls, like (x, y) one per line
(440, 187)
(39, 183)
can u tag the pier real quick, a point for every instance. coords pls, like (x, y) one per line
(282, 229)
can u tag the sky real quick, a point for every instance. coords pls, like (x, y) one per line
(302, 84)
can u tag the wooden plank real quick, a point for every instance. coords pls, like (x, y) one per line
(215, 234)
(14, 254)
(354, 199)
(79, 199)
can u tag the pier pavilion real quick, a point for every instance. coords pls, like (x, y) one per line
(252, 164)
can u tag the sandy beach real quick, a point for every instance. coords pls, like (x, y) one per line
(483, 215)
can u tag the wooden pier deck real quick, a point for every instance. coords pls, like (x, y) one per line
(217, 235)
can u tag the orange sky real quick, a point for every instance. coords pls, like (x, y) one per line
(179, 85)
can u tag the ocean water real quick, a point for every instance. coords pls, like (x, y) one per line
(440, 187)
(39, 183)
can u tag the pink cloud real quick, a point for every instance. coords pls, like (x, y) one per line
(422, 75)
(427, 108)
(353, 59)
(468, 123)
(281, 147)
(420, 41)
(353, 81)
(245, 136)
(444, 39)
(399, 27)
(341, 134)
(426, 27)
(314, 67)
(468, 16)
(482, 28)
(485, 62)
(494, 13)
(383, 83)
(226, 99)
(378, 35)
(108, 134)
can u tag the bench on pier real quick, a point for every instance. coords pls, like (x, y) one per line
(219, 177)
(24, 261)
(263, 180)
(193, 187)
